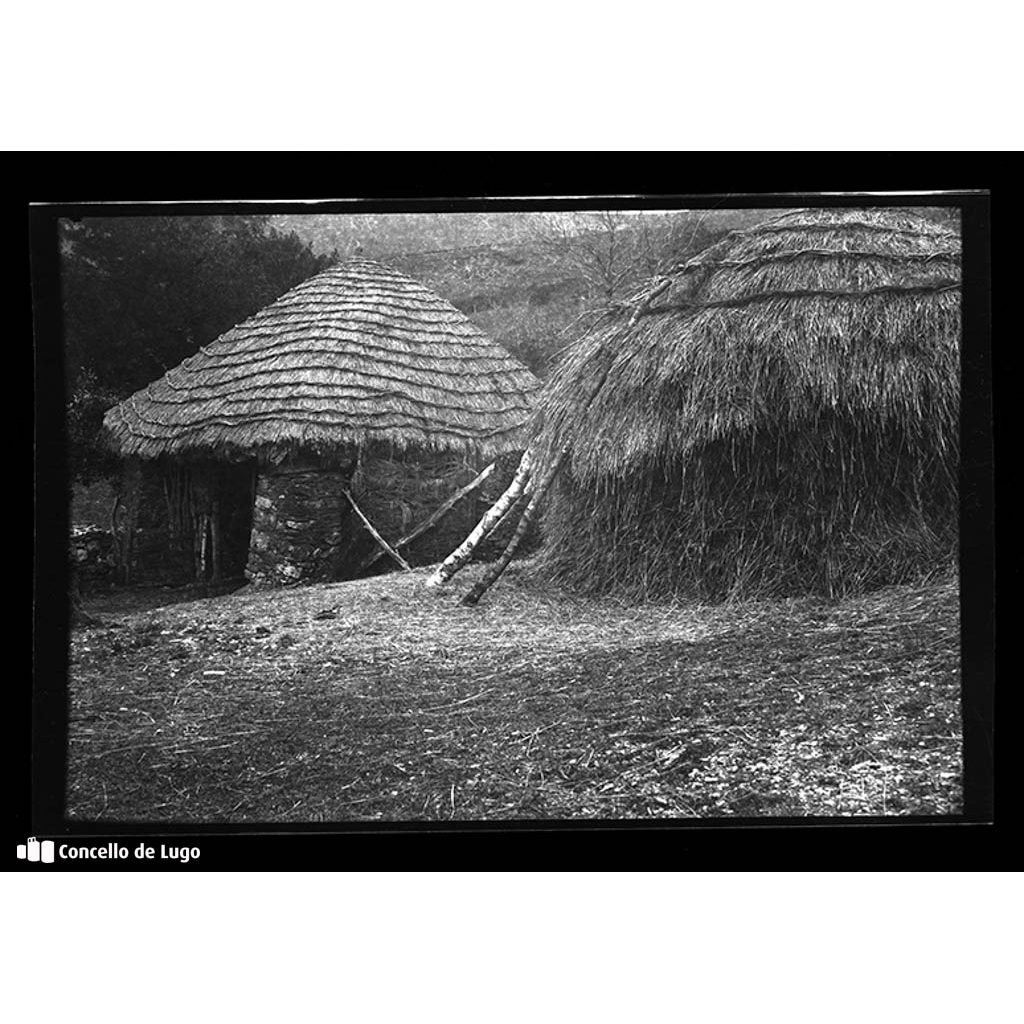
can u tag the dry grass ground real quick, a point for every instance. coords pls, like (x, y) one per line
(379, 700)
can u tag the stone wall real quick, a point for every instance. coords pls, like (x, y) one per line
(92, 553)
(154, 559)
(305, 531)
(300, 526)
(397, 494)
(395, 503)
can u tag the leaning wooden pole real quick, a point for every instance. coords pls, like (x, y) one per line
(510, 513)
(462, 554)
(115, 532)
(435, 517)
(215, 540)
(495, 569)
(133, 484)
(384, 545)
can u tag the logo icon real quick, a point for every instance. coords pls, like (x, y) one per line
(35, 850)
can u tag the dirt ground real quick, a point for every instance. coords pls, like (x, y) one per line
(382, 700)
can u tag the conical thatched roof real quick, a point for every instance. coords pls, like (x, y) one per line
(816, 309)
(356, 355)
(779, 413)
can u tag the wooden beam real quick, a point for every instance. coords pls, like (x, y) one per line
(115, 531)
(133, 484)
(215, 539)
(384, 545)
(462, 554)
(204, 520)
(495, 569)
(442, 511)
(538, 489)
(511, 510)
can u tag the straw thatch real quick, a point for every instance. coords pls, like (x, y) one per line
(355, 356)
(778, 415)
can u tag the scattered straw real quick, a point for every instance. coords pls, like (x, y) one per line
(535, 705)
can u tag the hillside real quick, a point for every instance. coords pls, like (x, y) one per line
(519, 295)
(522, 278)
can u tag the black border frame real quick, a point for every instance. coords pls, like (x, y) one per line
(41, 807)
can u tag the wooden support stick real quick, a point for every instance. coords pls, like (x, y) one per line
(645, 303)
(462, 554)
(503, 505)
(497, 568)
(132, 485)
(443, 510)
(204, 520)
(115, 532)
(511, 511)
(215, 540)
(385, 546)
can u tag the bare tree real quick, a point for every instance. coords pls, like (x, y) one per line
(600, 245)
(615, 250)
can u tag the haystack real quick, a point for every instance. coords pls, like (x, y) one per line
(777, 416)
(359, 368)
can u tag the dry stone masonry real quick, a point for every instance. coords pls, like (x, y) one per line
(92, 552)
(300, 526)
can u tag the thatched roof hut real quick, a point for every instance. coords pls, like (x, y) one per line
(357, 355)
(778, 415)
(358, 362)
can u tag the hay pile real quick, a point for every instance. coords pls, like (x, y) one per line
(780, 416)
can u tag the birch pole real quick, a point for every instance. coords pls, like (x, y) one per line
(462, 554)
(443, 510)
(495, 569)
